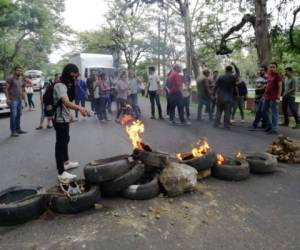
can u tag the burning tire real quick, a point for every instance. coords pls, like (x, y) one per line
(77, 203)
(262, 163)
(202, 163)
(102, 170)
(119, 184)
(232, 170)
(21, 204)
(147, 188)
(152, 160)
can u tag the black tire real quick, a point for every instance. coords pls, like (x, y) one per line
(119, 184)
(77, 203)
(262, 163)
(232, 172)
(152, 160)
(107, 169)
(207, 161)
(145, 191)
(21, 204)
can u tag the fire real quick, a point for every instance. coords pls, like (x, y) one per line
(198, 150)
(126, 119)
(134, 130)
(202, 148)
(220, 159)
(179, 157)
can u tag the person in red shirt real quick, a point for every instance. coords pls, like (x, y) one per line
(174, 89)
(272, 98)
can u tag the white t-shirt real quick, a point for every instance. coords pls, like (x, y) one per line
(153, 79)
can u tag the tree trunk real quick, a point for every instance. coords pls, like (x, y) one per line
(262, 34)
(158, 48)
(187, 36)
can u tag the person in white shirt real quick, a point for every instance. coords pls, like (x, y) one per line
(154, 91)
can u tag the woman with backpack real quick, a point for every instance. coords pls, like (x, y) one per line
(61, 120)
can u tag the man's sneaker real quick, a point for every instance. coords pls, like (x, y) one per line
(14, 134)
(66, 177)
(39, 128)
(268, 129)
(243, 121)
(20, 131)
(283, 124)
(152, 117)
(252, 128)
(232, 121)
(71, 165)
(186, 123)
(273, 132)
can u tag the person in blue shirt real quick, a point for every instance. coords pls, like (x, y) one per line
(80, 93)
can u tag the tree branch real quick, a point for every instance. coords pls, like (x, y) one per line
(292, 41)
(223, 48)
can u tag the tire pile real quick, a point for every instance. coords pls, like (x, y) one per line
(134, 177)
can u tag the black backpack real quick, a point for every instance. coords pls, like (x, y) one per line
(48, 101)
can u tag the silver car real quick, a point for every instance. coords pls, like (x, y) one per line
(4, 108)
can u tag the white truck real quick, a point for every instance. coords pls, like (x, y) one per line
(93, 64)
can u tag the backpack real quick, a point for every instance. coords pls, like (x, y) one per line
(48, 101)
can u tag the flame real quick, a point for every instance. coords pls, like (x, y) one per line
(179, 157)
(238, 155)
(126, 119)
(220, 159)
(198, 149)
(202, 148)
(134, 131)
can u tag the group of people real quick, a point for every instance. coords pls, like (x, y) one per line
(271, 87)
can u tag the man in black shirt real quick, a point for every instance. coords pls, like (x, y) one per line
(224, 92)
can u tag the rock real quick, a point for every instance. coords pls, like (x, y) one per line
(178, 178)
(150, 209)
(157, 216)
(98, 206)
(144, 215)
(171, 201)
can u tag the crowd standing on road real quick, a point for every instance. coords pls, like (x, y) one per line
(220, 96)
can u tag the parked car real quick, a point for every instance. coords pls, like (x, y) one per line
(4, 108)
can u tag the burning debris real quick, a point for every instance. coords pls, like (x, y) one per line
(199, 149)
(220, 160)
(287, 149)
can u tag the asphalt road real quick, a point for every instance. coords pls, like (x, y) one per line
(259, 213)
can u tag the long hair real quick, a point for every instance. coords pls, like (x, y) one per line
(68, 80)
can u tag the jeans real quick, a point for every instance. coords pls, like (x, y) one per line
(207, 104)
(259, 114)
(186, 106)
(133, 101)
(273, 105)
(15, 115)
(121, 103)
(223, 106)
(154, 98)
(102, 108)
(109, 103)
(61, 145)
(289, 102)
(238, 102)
(176, 100)
(30, 100)
(93, 104)
(82, 104)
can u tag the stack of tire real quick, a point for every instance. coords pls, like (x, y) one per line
(123, 176)
(239, 169)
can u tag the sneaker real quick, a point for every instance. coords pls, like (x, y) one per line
(39, 128)
(243, 121)
(161, 118)
(268, 129)
(14, 134)
(20, 131)
(173, 123)
(152, 117)
(66, 177)
(71, 165)
(252, 128)
(232, 121)
(283, 124)
(108, 119)
(48, 126)
(186, 123)
(273, 132)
